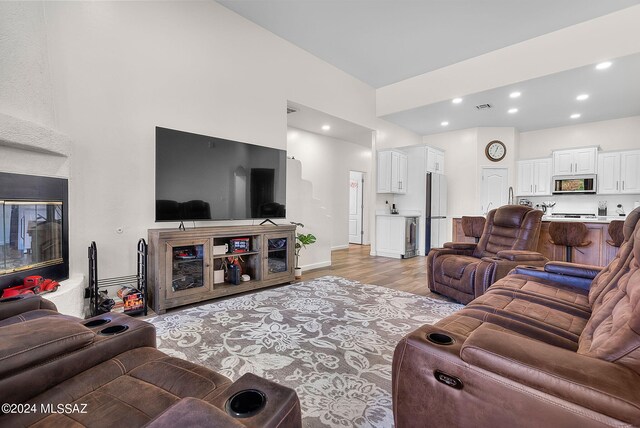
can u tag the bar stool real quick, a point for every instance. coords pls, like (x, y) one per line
(570, 234)
(616, 232)
(473, 226)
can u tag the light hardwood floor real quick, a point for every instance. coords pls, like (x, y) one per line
(355, 263)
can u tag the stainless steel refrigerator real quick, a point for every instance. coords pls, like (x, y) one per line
(436, 212)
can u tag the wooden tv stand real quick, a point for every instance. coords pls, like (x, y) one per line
(182, 263)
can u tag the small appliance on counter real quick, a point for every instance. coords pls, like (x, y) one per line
(525, 202)
(602, 208)
(547, 206)
(394, 210)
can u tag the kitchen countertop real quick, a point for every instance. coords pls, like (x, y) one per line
(402, 213)
(607, 219)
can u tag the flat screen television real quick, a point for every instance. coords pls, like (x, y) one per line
(208, 178)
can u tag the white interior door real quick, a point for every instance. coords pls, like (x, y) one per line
(495, 188)
(356, 184)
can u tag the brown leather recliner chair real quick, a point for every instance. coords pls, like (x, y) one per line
(557, 346)
(463, 271)
(106, 372)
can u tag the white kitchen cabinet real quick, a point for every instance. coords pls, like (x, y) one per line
(390, 236)
(575, 161)
(630, 171)
(534, 177)
(435, 160)
(619, 172)
(392, 172)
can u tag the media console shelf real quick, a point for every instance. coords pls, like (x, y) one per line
(183, 262)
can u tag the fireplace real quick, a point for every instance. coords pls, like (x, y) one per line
(34, 229)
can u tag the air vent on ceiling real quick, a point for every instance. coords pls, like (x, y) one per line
(291, 110)
(483, 106)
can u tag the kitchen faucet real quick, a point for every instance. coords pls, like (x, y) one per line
(510, 195)
(487, 210)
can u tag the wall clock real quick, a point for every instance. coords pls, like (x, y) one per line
(495, 151)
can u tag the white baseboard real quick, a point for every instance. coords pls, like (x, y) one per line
(316, 265)
(340, 247)
(392, 255)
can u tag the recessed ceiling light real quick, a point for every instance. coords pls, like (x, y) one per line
(512, 110)
(456, 100)
(444, 123)
(326, 127)
(603, 65)
(514, 94)
(575, 115)
(582, 97)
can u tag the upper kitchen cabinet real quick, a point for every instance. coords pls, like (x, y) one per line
(619, 172)
(575, 161)
(534, 177)
(392, 172)
(435, 160)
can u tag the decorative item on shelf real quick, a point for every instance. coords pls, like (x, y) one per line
(302, 241)
(33, 284)
(220, 249)
(231, 265)
(239, 245)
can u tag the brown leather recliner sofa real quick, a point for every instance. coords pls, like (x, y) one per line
(557, 346)
(463, 271)
(58, 370)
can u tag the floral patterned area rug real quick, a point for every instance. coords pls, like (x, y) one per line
(330, 339)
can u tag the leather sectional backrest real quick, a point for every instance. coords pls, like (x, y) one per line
(473, 226)
(613, 330)
(511, 227)
(609, 276)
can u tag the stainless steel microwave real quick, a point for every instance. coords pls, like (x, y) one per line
(574, 184)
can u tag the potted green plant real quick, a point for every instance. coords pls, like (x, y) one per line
(302, 240)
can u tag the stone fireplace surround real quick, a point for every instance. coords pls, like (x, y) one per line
(32, 149)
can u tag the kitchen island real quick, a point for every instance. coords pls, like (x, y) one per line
(598, 252)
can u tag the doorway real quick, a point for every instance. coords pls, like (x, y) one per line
(494, 190)
(356, 207)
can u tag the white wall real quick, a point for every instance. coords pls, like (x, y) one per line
(326, 163)
(115, 70)
(618, 134)
(25, 80)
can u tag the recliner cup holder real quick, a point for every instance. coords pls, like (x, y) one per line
(98, 322)
(246, 403)
(440, 339)
(113, 330)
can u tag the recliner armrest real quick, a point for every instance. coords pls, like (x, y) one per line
(193, 412)
(470, 246)
(573, 269)
(521, 256)
(595, 384)
(33, 342)
(16, 305)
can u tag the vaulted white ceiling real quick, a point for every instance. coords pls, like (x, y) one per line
(390, 44)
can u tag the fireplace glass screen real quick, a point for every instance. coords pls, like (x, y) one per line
(30, 235)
